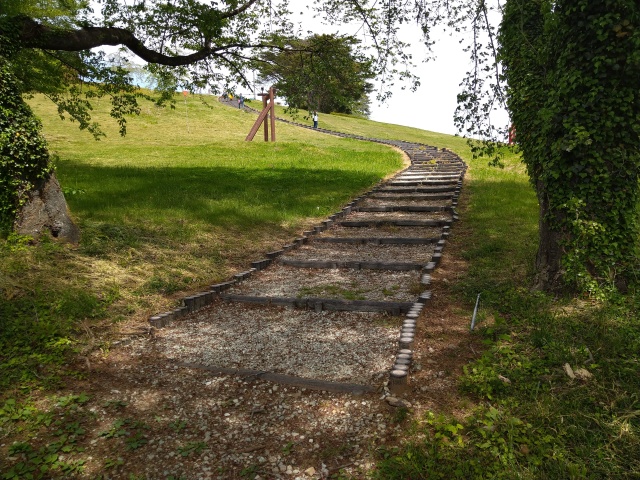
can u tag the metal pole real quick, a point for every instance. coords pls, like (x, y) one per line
(475, 311)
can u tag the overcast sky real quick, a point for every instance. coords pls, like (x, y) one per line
(432, 106)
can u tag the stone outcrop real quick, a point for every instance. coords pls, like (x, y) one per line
(47, 211)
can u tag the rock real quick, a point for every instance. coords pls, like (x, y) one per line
(46, 210)
(569, 371)
(583, 374)
(310, 471)
(398, 402)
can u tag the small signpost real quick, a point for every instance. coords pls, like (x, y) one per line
(268, 107)
(512, 134)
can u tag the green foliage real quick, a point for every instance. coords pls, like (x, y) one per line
(35, 332)
(24, 159)
(572, 69)
(64, 422)
(131, 430)
(191, 447)
(489, 444)
(533, 420)
(250, 472)
(71, 79)
(178, 425)
(321, 72)
(52, 52)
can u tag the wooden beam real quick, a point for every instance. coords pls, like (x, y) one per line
(268, 107)
(272, 94)
(266, 122)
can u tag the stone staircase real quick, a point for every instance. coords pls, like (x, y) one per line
(375, 255)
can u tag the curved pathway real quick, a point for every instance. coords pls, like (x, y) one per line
(336, 309)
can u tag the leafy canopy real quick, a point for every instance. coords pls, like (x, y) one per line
(321, 72)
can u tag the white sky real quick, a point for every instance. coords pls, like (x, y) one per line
(432, 105)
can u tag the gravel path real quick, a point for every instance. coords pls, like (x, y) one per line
(384, 231)
(251, 426)
(337, 283)
(347, 346)
(353, 347)
(367, 252)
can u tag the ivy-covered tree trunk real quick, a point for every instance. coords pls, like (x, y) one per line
(548, 264)
(31, 201)
(572, 68)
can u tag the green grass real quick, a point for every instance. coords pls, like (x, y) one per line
(370, 128)
(181, 202)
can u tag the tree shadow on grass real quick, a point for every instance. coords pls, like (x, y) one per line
(221, 196)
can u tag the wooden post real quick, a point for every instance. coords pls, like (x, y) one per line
(268, 107)
(266, 122)
(272, 94)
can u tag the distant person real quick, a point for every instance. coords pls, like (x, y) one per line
(240, 101)
(315, 119)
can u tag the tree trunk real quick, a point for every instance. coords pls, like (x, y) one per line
(46, 211)
(549, 272)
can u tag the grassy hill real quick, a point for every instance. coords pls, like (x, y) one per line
(180, 202)
(183, 201)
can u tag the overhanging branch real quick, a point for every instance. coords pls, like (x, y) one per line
(36, 35)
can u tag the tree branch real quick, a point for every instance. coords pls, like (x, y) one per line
(36, 35)
(239, 10)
